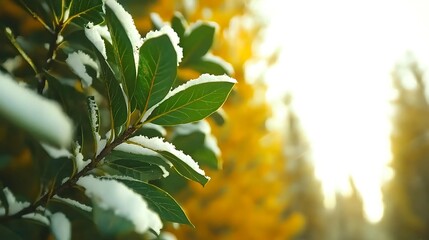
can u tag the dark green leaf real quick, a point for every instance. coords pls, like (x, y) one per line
(157, 71)
(124, 56)
(192, 104)
(150, 159)
(193, 144)
(57, 7)
(135, 169)
(207, 65)
(21, 51)
(110, 224)
(184, 169)
(159, 201)
(6, 233)
(178, 23)
(83, 11)
(198, 42)
(115, 97)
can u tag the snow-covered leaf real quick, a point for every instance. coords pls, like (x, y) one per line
(60, 226)
(109, 194)
(157, 71)
(42, 118)
(136, 169)
(125, 41)
(178, 23)
(197, 41)
(159, 200)
(192, 101)
(115, 96)
(182, 163)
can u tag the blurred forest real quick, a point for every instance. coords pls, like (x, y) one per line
(266, 187)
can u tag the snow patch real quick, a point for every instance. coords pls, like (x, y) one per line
(111, 194)
(174, 38)
(60, 226)
(77, 61)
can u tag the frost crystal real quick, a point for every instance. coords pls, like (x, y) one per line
(77, 61)
(111, 194)
(61, 227)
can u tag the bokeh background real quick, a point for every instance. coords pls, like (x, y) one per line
(327, 133)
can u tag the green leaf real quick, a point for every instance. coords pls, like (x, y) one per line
(135, 169)
(194, 145)
(21, 51)
(57, 7)
(212, 66)
(124, 55)
(178, 23)
(191, 104)
(6, 233)
(159, 201)
(164, 158)
(198, 42)
(83, 11)
(157, 71)
(115, 97)
(184, 169)
(110, 224)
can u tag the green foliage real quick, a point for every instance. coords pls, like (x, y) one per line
(113, 100)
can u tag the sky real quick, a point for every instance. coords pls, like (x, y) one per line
(336, 59)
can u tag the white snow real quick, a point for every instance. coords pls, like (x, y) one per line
(95, 120)
(37, 217)
(94, 35)
(56, 152)
(12, 63)
(74, 203)
(66, 14)
(204, 78)
(41, 117)
(157, 20)
(198, 24)
(111, 194)
(216, 59)
(14, 206)
(165, 173)
(77, 61)
(158, 144)
(156, 127)
(60, 226)
(128, 23)
(166, 29)
(80, 163)
(135, 149)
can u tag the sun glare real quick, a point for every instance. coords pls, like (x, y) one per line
(336, 60)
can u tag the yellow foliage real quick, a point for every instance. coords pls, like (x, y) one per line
(247, 198)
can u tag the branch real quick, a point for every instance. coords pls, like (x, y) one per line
(43, 200)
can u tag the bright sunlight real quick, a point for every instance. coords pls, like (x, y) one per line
(336, 59)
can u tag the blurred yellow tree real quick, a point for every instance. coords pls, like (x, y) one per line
(406, 196)
(247, 199)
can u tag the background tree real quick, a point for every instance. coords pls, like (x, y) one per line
(407, 194)
(304, 192)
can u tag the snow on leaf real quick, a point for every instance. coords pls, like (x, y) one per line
(166, 29)
(116, 196)
(77, 61)
(60, 226)
(94, 35)
(41, 117)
